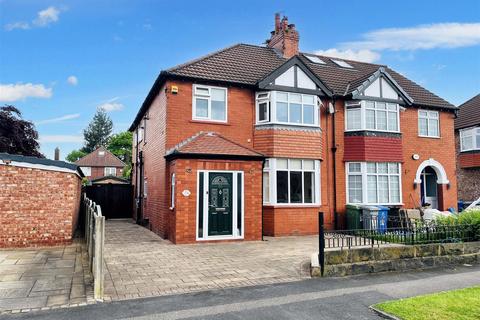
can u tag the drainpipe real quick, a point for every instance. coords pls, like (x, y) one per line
(263, 167)
(334, 151)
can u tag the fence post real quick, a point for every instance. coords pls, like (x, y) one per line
(321, 243)
(98, 265)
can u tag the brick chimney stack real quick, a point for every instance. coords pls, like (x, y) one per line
(284, 38)
(57, 154)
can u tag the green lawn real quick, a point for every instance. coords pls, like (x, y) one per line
(461, 304)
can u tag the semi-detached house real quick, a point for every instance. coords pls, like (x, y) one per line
(253, 140)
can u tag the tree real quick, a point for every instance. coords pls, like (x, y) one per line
(75, 155)
(120, 144)
(98, 131)
(17, 136)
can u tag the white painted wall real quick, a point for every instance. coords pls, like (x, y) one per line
(287, 78)
(304, 81)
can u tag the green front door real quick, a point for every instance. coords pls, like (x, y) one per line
(220, 215)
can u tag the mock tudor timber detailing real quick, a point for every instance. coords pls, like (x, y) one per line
(245, 105)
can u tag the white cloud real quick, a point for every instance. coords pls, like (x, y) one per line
(422, 37)
(72, 80)
(20, 91)
(17, 25)
(59, 119)
(111, 105)
(364, 55)
(60, 139)
(46, 16)
(43, 19)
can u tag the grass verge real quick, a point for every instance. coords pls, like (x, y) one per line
(463, 304)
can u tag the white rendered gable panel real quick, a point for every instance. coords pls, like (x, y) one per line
(388, 91)
(373, 90)
(304, 81)
(287, 78)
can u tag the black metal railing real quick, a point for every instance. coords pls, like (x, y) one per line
(377, 234)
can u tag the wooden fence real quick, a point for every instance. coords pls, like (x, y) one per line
(95, 238)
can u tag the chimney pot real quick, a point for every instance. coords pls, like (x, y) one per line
(57, 154)
(285, 37)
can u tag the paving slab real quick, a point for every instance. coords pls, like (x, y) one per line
(44, 277)
(139, 262)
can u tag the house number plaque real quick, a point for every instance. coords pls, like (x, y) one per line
(186, 193)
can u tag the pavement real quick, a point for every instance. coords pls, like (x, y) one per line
(31, 279)
(141, 264)
(322, 298)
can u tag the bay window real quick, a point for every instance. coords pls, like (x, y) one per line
(470, 139)
(291, 181)
(287, 108)
(372, 115)
(428, 125)
(373, 182)
(209, 103)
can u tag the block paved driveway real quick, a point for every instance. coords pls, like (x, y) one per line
(140, 264)
(50, 277)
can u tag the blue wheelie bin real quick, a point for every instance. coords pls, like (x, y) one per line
(382, 218)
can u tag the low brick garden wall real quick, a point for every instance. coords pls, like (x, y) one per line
(395, 258)
(37, 207)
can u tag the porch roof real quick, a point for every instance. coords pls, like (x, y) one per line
(211, 145)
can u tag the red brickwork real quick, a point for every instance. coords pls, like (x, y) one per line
(185, 211)
(170, 122)
(377, 149)
(468, 173)
(37, 207)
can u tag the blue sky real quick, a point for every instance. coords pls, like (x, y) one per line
(61, 60)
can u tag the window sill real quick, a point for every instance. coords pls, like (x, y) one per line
(377, 204)
(292, 205)
(210, 122)
(431, 137)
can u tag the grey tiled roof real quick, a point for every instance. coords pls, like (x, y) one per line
(469, 113)
(246, 64)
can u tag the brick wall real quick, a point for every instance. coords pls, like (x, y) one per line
(378, 149)
(440, 149)
(176, 110)
(98, 172)
(37, 207)
(185, 212)
(468, 176)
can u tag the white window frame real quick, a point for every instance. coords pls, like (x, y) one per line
(106, 171)
(364, 174)
(145, 187)
(429, 117)
(272, 171)
(272, 112)
(263, 97)
(172, 192)
(209, 98)
(235, 234)
(363, 115)
(470, 132)
(87, 171)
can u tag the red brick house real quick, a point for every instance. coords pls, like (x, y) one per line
(100, 163)
(39, 201)
(467, 138)
(253, 140)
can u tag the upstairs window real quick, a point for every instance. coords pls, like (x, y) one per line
(110, 171)
(87, 171)
(470, 139)
(428, 124)
(287, 108)
(209, 103)
(372, 116)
